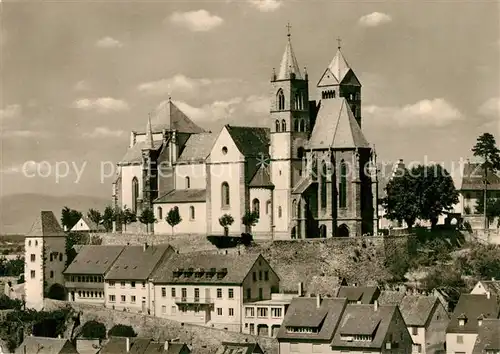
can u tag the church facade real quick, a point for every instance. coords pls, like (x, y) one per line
(310, 173)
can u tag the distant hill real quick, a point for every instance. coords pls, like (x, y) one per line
(18, 211)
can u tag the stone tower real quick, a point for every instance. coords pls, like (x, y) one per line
(289, 126)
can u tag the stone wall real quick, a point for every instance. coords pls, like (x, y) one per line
(204, 340)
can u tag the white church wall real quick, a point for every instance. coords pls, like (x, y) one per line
(188, 225)
(263, 227)
(128, 173)
(195, 172)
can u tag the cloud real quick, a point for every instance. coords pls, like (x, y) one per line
(30, 169)
(101, 105)
(437, 113)
(257, 104)
(210, 112)
(177, 83)
(82, 85)
(104, 132)
(22, 134)
(266, 5)
(374, 19)
(491, 107)
(11, 111)
(108, 42)
(196, 21)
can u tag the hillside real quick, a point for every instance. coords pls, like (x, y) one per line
(18, 211)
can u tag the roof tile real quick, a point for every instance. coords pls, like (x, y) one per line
(46, 224)
(183, 196)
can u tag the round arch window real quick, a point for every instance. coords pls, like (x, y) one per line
(224, 150)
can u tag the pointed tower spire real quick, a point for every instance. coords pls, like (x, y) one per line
(339, 66)
(289, 64)
(149, 134)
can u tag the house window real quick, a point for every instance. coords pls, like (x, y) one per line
(111, 284)
(123, 298)
(164, 309)
(280, 212)
(249, 293)
(260, 275)
(172, 292)
(52, 274)
(460, 339)
(296, 125)
(184, 293)
(230, 293)
(112, 298)
(163, 292)
(174, 310)
(343, 185)
(132, 284)
(122, 284)
(224, 150)
(294, 208)
(302, 125)
(280, 98)
(33, 257)
(414, 331)
(268, 207)
(219, 293)
(261, 311)
(254, 276)
(51, 257)
(225, 195)
(278, 126)
(219, 311)
(143, 284)
(32, 274)
(132, 299)
(249, 312)
(266, 275)
(135, 193)
(252, 328)
(283, 126)
(192, 214)
(36, 243)
(160, 213)
(276, 312)
(188, 182)
(256, 206)
(231, 312)
(260, 294)
(196, 294)
(60, 257)
(29, 243)
(323, 185)
(417, 348)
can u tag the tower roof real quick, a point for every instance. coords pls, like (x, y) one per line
(149, 135)
(46, 224)
(336, 127)
(289, 63)
(175, 120)
(337, 71)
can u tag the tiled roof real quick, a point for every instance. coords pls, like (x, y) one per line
(365, 294)
(173, 348)
(237, 267)
(135, 263)
(488, 337)
(250, 141)
(117, 345)
(472, 306)
(493, 286)
(94, 259)
(134, 153)
(364, 320)
(197, 147)
(46, 224)
(240, 348)
(389, 297)
(339, 67)
(417, 309)
(173, 118)
(288, 63)
(45, 345)
(473, 175)
(90, 224)
(262, 178)
(336, 127)
(303, 312)
(183, 196)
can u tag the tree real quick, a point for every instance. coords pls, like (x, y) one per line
(57, 292)
(486, 148)
(492, 209)
(225, 221)
(147, 217)
(120, 330)
(108, 217)
(95, 216)
(249, 219)
(94, 330)
(71, 240)
(482, 261)
(447, 279)
(69, 217)
(401, 202)
(173, 218)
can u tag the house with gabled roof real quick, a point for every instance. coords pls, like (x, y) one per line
(212, 289)
(483, 287)
(488, 337)
(46, 345)
(87, 225)
(240, 348)
(359, 294)
(293, 172)
(137, 345)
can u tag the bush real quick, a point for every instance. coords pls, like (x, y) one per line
(6, 303)
(93, 330)
(246, 239)
(57, 292)
(120, 330)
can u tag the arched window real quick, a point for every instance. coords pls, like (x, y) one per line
(135, 193)
(323, 185)
(280, 212)
(302, 125)
(188, 182)
(283, 126)
(225, 195)
(300, 152)
(256, 206)
(280, 100)
(314, 169)
(160, 213)
(268, 206)
(296, 125)
(294, 208)
(343, 185)
(278, 126)
(191, 213)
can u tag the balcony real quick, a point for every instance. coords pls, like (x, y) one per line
(194, 301)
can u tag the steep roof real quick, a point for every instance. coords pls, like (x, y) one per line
(197, 147)
(336, 71)
(237, 266)
(472, 306)
(389, 297)
(135, 263)
(303, 312)
(262, 178)
(183, 196)
(250, 141)
(417, 309)
(488, 337)
(493, 286)
(45, 345)
(473, 176)
(173, 348)
(46, 224)
(288, 63)
(364, 320)
(336, 127)
(90, 224)
(172, 118)
(116, 345)
(94, 259)
(240, 348)
(365, 294)
(134, 153)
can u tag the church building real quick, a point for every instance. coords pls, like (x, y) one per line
(310, 173)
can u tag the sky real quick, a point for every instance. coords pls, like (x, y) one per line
(77, 77)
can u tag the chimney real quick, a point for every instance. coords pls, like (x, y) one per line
(145, 246)
(375, 305)
(165, 347)
(300, 289)
(488, 295)
(318, 301)
(127, 344)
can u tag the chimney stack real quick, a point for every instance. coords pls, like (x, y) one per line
(300, 289)
(318, 301)
(375, 305)
(145, 246)
(127, 344)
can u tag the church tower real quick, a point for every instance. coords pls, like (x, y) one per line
(149, 169)
(339, 80)
(290, 126)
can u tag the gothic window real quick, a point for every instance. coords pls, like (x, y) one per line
(160, 213)
(314, 169)
(280, 212)
(302, 125)
(225, 195)
(280, 98)
(297, 99)
(294, 208)
(343, 185)
(296, 125)
(323, 185)
(283, 126)
(278, 126)
(256, 206)
(333, 94)
(268, 206)
(188, 183)
(191, 213)
(135, 193)
(300, 152)
(323, 95)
